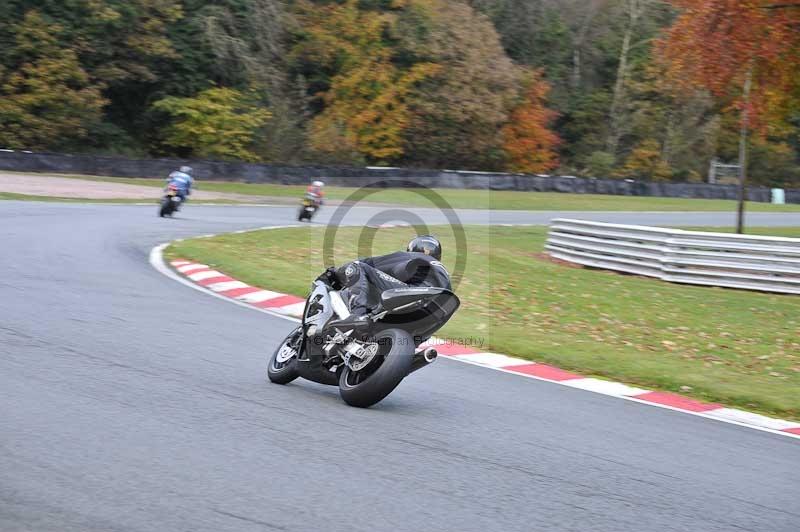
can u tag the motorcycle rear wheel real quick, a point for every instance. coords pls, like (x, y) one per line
(166, 207)
(285, 371)
(391, 365)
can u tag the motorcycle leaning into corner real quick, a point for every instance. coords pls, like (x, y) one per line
(369, 361)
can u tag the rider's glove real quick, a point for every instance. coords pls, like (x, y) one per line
(329, 277)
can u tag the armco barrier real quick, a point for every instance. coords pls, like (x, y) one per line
(764, 263)
(21, 161)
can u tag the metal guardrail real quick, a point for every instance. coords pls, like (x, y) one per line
(769, 264)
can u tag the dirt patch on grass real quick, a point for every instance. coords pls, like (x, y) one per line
(544, 256)
(61, 187)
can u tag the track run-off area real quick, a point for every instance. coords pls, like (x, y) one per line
(131, 402)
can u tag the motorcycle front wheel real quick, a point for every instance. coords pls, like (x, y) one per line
(282, 366)
(381, 376)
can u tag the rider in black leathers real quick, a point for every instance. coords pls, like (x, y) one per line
(362, 281)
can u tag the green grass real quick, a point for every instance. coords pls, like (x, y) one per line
(735, 347)
(479, 199)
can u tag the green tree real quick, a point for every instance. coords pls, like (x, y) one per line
(48, 101)
(600, 164)
(527, 28)
(583, 128)
(124, 46)
(249, 42)
(686, 125)
(218, 122)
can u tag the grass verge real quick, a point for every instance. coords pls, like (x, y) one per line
(735, 347)
(479, 199)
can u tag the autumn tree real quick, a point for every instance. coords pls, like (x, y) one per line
(365, 112)
(590, 51)
(369, 106)
(646, 162)
(746, 54)
(123, 46)
(217, 123)
(425, 82)
(47, 101)
(719, 44)
(428, 83)
(457, 114)
(529, 144)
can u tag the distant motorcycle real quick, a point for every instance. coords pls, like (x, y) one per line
(308, 208)
(369, 363)
(170, 202)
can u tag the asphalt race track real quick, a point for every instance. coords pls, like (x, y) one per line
(129, 402)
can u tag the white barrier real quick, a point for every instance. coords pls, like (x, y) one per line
(764, 263)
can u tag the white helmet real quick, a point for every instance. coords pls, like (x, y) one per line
(186, 170)
(318, 184)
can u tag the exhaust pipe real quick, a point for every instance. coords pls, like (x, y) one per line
(423, 358)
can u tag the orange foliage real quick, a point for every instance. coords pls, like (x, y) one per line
(366, 107)
(528, 142)
(370, 105)
(714, 43)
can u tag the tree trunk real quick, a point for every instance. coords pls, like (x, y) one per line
(666, 149)
(635, 8)
(575, 79)
(748, 82)
(580, 40)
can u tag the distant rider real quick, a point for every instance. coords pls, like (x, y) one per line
(362, 281)
(183, 181)
(315, 193)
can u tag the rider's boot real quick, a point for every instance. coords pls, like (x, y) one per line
(357, 319)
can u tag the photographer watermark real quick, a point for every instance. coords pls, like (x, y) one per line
(470, 342)
(419, 292)
(396, 216)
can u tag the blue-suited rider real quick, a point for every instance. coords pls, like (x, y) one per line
(182, 180)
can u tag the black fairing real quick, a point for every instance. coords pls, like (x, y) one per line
(421, 311)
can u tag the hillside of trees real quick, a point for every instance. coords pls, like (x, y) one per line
(643, 89)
